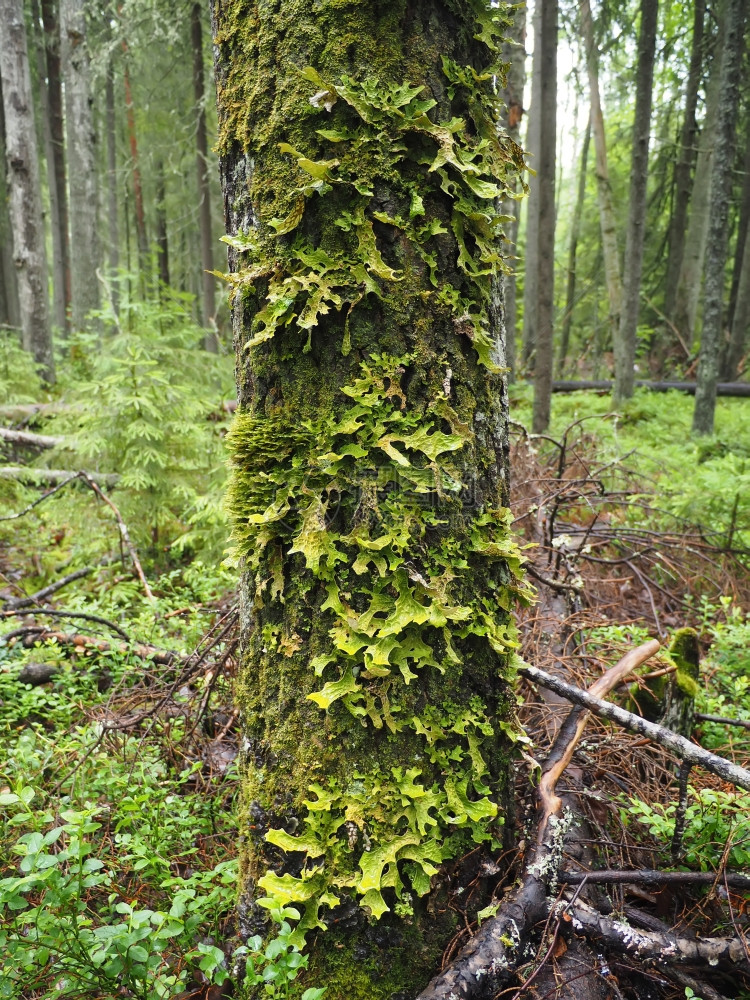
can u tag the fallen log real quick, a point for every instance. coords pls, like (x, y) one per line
(604, 385)
(24, 474)
(30, 439)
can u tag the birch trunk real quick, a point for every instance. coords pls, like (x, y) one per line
(635, 238)
(81, 147)
(359, 306)
(607, 218)
(718, 230)
(25, 202)
(10, 315)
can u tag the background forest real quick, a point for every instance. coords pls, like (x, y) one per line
(628, 253)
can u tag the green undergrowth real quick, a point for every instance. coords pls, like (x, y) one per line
(703, 480)
(717, 820)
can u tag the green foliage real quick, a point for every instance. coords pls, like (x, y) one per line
(713, 818)
(140, 402)
(19, 380)
(92, 825)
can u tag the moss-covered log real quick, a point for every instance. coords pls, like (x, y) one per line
(362, 162)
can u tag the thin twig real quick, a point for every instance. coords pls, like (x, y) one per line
(125, 534)
(55, 613)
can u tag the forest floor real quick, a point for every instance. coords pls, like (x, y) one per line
(118, 732)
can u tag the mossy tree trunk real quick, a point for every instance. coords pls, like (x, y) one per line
(361, 163)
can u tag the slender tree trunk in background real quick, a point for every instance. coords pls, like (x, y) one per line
(685, 160)
(162, 243)
(81, 147)
(575, 233)
(25, 201)
(366, 343)
(636, 231)
(610, 251)
(740, 318)
(112, 187)
(50, 93)
(51, 23)
(204, 193)
(514, 53)
(531, 238)
(718, 230)
(692, 270)
(743, 224)
(140, 215)
(545, 308)
(10, 314)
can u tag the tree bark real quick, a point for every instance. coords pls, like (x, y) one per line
(685, 160)
(718, 229)
(575, 233)
(514, 54)
(743, 225)
(531, 235)
(545, 306)
(81, 146)
(162, 241)
(112, 187)
(140, 214)
(362, 318)
(204, 192)
(740, 317)
(608, 220)
(635, 237)
(10, 315)
(50, 92)
(23, 182)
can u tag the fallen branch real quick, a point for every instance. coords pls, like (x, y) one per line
(25, 602)
(722, 389)
(32, 633)
(55, 613)
(24, 474)
(678, 745)
(27, 438)
(645, 945)
(651, 877)
(721, 720)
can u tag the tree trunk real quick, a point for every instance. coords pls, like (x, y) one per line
(84, 232)
(610, 251)
(545, 305)
(575, 233)
(692, 271)
(204, 192)
(140, 214)
(162, 242)
(635, 238)
(23, 182)
(112, 187)
(685, 160)
(531, 236)
(718, 230)
(370, 468)
(50, 91)
(729, 363)
(740, 318)
(514, 53)
(10, 315)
